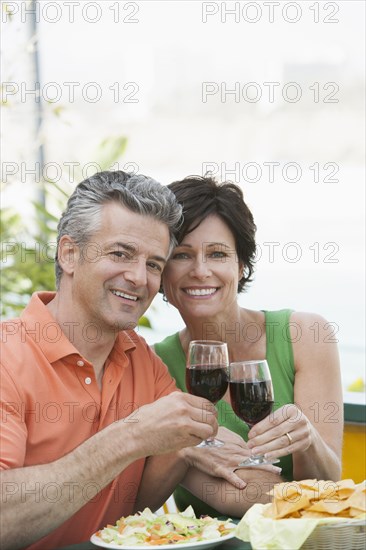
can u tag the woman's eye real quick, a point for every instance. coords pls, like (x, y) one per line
(218, 254)
(180, 256)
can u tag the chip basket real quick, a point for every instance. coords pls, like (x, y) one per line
(349, 535)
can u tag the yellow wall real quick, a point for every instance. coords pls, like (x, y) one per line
(354, 452)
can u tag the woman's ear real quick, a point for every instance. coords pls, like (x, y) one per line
(241, 270)
(67, 254)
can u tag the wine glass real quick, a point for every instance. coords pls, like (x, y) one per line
(207, 374)
(251, 394)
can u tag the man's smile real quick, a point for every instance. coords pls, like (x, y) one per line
(125, 295)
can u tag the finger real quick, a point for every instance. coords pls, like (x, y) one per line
(278, 447)
(203, 430)
(196, 409)
(205, 412)
(205, 420)
(290, 415)
(200, 403)
(267, 467)
(232, 478)
(301, 440)
(265, 438)
(272, 434)
(200, 430)
(271, 421)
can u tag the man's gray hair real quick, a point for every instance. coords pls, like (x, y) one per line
(138, 193)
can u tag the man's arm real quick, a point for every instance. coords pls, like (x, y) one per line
(163, 473)
(226, 498)
(97, 461)
(161, 476)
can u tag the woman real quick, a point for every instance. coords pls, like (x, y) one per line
(211, 263)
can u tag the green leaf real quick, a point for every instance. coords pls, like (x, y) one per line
(144, 322)
(111, 149)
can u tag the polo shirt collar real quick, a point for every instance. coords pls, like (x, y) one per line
(42, 327)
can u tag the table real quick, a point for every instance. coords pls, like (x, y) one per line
(232, 544)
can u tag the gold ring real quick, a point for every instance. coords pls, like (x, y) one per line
(289, 437)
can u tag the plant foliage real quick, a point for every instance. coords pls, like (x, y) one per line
(28, 250)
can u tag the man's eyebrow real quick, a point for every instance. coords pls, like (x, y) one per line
(159, 259)
(129, 247)
(133, 248)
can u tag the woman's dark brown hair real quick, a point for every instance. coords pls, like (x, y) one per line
(202, 196)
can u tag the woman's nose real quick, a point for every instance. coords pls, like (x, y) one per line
(201, 269)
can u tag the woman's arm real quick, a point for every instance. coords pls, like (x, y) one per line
(315, 422)
(318, 394)
(163, 473)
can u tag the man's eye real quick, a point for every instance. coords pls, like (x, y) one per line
(155, 267)
(118, 254)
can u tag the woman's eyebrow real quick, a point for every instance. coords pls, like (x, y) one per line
(211, 244)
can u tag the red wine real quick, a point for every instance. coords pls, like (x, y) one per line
(251, 401)
(210, 383)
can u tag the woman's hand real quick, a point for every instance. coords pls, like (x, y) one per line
(282, 433)
(223, 461)
(311, 431)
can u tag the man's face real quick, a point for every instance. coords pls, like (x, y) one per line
(117, 274)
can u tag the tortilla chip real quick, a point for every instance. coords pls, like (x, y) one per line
(346, 488)
(308, 483)
(317, 499)
(287, 508)
(357, 500)
(316, 515)
(328, 490)
(355, 513)
(285, 491)
(332, 508)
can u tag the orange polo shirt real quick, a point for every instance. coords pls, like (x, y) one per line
(51, 404)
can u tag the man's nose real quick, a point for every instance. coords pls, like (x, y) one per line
(136, 272)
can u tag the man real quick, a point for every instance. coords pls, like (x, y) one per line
(92, 426)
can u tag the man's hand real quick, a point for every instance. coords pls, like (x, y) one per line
(223, 461)
(173, 422)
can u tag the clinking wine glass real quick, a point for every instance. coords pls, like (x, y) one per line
(207, 374)
(252, 398)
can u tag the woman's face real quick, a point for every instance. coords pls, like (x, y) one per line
(202, 274)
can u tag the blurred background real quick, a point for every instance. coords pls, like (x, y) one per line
(267, 94)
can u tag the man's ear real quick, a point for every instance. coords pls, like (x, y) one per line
(68, 254)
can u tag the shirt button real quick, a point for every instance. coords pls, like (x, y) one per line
(80, 363)
(88, 380)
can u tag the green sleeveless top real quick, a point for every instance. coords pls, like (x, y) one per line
(279, 355)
